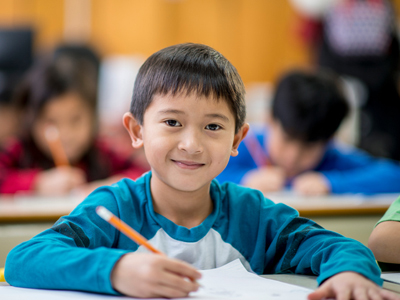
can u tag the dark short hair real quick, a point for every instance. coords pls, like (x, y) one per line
(309, 105)
(189, 68)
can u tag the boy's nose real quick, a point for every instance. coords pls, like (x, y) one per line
(191, 143)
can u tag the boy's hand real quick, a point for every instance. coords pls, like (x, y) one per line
(59, 181)
(147, 275)
(311, 184)
(351, 285)
(265, 179)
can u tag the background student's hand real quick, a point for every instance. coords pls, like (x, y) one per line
(59, 181)
(351, 285)
(147, 275)
(311, 184)
(86, 189)
(265, 179)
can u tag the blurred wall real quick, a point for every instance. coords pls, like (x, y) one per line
(256, 36)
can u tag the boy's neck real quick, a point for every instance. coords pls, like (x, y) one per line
(188, 209)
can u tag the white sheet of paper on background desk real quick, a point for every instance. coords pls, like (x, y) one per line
(231, 281)
(393, 277)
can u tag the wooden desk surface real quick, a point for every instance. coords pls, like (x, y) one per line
(336, 205)
(48, 209)
(22, 209)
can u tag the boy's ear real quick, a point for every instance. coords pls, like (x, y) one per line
(134, 129)
(238, 138)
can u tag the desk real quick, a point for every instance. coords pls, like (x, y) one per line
(353, 216)
(45, 209)
(335, 205)
(23, 217)
(22, 209)
(303, 281)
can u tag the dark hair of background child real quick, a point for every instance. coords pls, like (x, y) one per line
(309, 106)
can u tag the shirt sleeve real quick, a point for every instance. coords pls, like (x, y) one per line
(77, 253)
(393, 212)
(301, 246)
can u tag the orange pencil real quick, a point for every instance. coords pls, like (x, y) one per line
(125, 228)
(57, 151)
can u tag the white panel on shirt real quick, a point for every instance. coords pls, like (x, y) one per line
(208, 253)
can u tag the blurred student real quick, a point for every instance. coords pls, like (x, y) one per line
(52, 95)
(385, 239)
(298, 149)
(188, 113)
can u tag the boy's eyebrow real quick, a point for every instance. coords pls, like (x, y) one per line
(218, 116)
(179, 112)
(171, 111)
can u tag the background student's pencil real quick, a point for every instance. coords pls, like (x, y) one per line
(56, 148)
(256, 151)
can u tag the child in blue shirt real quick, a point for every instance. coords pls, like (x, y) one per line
(188, 113)
(296, 150)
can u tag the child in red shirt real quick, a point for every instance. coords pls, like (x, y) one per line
(65, 98)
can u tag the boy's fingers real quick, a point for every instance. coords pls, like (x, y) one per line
(183, 269)
(176, 281)
(361, 293)
(320, 293)
(388, 295)
(343, 294)
(373, 294)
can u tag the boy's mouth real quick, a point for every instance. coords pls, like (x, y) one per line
(186, 164)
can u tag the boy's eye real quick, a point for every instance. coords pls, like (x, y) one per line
(213, 127)
(172, 123)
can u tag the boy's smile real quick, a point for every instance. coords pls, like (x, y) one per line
(188, 164)
(187, 139)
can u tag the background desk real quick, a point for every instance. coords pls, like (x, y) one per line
(354, 216)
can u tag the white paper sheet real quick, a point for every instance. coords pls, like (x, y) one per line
(231, 281)
(393, 277)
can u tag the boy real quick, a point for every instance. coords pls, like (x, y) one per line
(307, 109)
(188, 113)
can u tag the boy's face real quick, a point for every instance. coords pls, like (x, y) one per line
(187, 139)
(293, 156)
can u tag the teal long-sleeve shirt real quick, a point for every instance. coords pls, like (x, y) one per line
(81, 249)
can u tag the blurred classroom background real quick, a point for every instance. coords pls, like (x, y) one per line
(262, 39)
